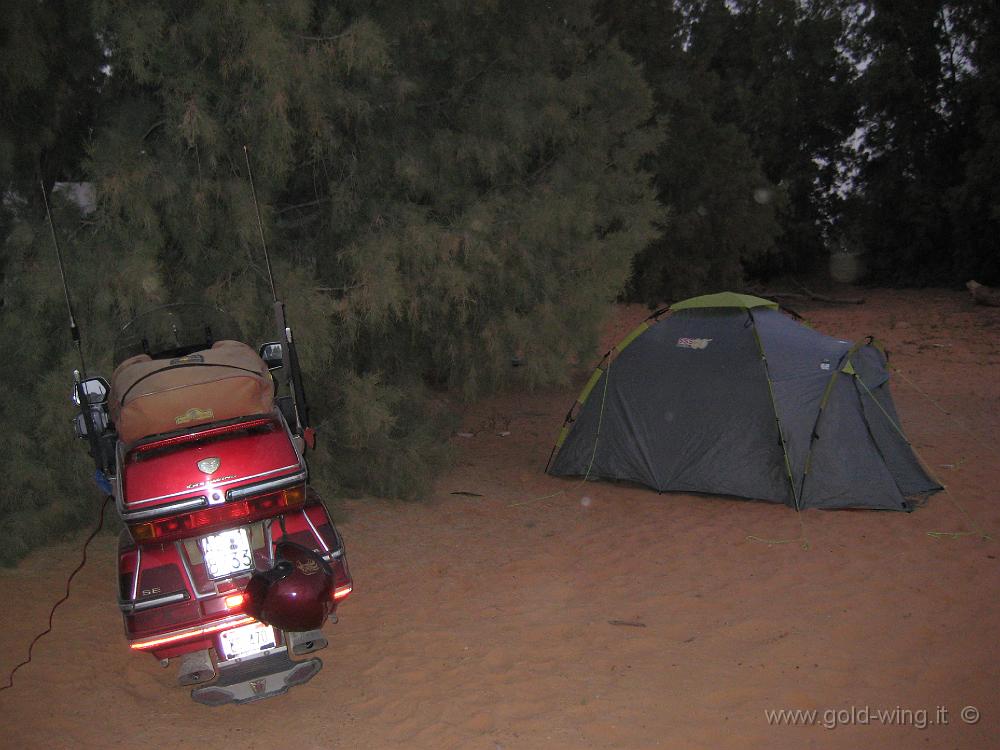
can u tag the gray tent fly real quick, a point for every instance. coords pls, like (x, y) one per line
(729, 396)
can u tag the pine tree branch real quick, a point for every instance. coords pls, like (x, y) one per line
(299, 221)
(460, 88)
(330, 289)
(307, 204)
(323, 38)
(154, 126)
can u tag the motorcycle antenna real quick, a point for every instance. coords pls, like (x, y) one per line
(260, 224)
(289, 354)
(74, 331)
(96, 450)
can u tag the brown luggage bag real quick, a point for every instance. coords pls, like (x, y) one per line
(151, 397)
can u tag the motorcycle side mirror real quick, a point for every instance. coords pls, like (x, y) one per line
(95, 390)
(271, 354)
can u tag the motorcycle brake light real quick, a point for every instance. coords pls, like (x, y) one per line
(201, 435)
(241, 511)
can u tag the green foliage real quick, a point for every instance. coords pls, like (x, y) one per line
(50, 65)
(442, 188)
(974, 204)
(926, 204)
(758, 106)
(907, 165)
(445, 186)
(787, 84)
(866, 123)
(47, 491)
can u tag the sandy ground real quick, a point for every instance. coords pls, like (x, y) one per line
(602, 616)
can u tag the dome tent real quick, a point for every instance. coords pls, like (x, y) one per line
(727, 395)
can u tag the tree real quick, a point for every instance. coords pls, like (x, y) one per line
(705, 171)
(723, 210)
(758, 103)
(974, 204)
(442, 188)
(912, 137)
(788, 85)
(50, 75)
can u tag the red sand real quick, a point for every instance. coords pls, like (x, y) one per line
(602, 616)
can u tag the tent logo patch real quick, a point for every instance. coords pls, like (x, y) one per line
(686, 343)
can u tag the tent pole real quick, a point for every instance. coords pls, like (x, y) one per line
(855, 379)
(774, 408)
(827, 392)
(598, 371)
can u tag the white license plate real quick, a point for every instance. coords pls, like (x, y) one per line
(247, 640)
(226, 553)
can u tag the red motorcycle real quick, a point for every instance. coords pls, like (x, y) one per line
(229, 563)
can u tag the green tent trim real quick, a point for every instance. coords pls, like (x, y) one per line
(724, 299)
(720, 299)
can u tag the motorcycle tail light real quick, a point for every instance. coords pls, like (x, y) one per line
(234, 512)
(233, 621)
(341, 592)
(343, 585)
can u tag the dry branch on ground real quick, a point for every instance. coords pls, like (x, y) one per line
(983, 295)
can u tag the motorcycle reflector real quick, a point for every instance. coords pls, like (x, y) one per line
(342, 591)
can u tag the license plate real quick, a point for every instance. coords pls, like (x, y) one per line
(247, 640)
(226, 553)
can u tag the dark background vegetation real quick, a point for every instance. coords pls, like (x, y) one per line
(449, 185)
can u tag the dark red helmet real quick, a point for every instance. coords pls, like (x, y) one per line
(296, 593)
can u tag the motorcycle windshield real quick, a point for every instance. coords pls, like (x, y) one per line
(174, 331)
